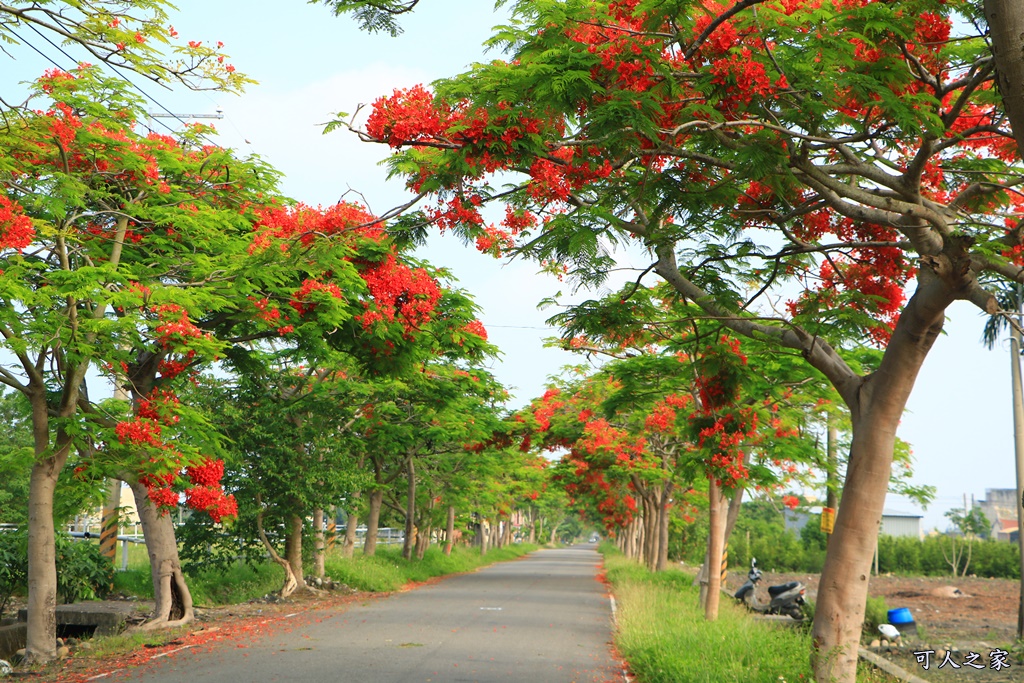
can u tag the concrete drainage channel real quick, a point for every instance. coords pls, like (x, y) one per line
(78, 620)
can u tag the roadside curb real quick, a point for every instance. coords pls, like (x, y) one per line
(889, 668)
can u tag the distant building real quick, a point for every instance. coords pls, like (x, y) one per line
(796, 520)
(1000, 508)
(901, 524)
(893, 523)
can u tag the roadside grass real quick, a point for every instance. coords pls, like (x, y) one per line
(662, 634)
(386, 571)
(389, 571)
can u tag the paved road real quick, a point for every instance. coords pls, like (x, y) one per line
(542, 618)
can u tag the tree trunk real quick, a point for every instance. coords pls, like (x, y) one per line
(1006, 27)
(422, 542)
(449, 531)
(875, 408)
(290, 583)
(716, 543)
(663, 519)
(293, 550)
(170, 591)
(372, 522)
(41, 634)
(351, 525)
(554, 532)
(319, 543)
(650, 547)
(495, 531)
(410, 509)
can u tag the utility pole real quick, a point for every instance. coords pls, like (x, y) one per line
(1018, 444)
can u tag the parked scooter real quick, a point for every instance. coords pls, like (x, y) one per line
(786, 598)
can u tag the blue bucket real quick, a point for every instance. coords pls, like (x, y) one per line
(900, 616)
(903, 620)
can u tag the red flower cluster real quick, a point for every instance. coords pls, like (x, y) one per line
(300, 299)
(406, 116)
(549, 403)
(16, 231)
(178, 330)
(304, 225)
(476, 327)
(397, 290)
(212, 501)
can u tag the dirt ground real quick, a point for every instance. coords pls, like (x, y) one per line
(961, 615)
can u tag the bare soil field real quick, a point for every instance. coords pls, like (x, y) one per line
(962, 615)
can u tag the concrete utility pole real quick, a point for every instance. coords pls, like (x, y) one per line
(1018, 444)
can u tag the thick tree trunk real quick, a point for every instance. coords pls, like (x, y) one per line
(372, 522)
(170, 591)
(1006, 30)
(422, 542)
(41, 634)
(875, 411)
(319, 543)
(410, 508)
(554, 532)
(293, 550)
(735, 504)
(716, 543)
(449, 531)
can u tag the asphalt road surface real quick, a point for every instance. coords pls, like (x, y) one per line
(541, 618)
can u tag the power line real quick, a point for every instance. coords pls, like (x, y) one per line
(168, 113)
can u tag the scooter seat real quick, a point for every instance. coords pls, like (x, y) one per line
(782, 588)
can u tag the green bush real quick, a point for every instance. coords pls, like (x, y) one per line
(13, 565)
(82, 572)
(903, 555)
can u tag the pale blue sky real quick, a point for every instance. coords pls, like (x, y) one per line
(311, 64)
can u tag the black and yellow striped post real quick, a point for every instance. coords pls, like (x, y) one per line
(332, 528)
(109, 526)
(725, 563)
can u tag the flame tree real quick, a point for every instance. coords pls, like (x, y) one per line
(847, 148)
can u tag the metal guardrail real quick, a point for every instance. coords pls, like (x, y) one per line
(125, 540)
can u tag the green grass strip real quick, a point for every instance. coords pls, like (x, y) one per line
(662, 633)
(388, 571)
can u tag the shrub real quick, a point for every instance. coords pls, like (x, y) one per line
(13, 565)
(876, 613)
(83, 573)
